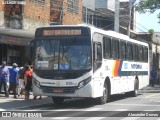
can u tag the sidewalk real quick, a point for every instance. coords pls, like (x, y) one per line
(15, 104)
(150, 89)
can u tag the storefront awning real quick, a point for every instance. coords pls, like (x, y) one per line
(15, 37)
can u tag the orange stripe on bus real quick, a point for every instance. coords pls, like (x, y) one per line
(113, 68)
(116, 68)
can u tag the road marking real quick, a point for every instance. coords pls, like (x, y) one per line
(56, 110)
(121, 110)
(63, 110)
(152, 95)
(92, 109)
(130, 118)
(1, 109)
(133, 104)
(77, 113)
(149, 110)
(95, 118)
(60, 118)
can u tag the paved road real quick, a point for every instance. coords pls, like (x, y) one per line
(120, 107)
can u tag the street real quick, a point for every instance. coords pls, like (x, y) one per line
(146, 104)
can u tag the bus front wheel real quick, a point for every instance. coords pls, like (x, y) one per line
(105, 98)
(58, 100)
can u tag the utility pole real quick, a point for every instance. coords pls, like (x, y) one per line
(129, 21)
(116, 17)
(86, 15)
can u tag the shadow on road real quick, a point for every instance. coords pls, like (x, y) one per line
(79, 103)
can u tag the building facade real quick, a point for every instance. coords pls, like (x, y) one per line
(66, 12)
(156, 50)
(18, 23)
(17, 27)
(98, 13)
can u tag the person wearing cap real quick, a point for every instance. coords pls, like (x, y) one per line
(13, 79)
(4, 75)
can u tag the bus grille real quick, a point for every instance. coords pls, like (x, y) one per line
(53, 89)
(48, 74)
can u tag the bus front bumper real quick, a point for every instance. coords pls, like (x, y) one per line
(85, 91)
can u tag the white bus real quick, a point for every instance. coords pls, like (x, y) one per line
(87, 62)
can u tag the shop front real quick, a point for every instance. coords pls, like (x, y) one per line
(12, 49)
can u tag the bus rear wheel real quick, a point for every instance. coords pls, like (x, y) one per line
(105, 98)
(58, 100)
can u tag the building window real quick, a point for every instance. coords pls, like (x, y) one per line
(40, 1)
(73, 6)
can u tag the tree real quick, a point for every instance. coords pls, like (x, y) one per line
(151, 31)
(148, 6)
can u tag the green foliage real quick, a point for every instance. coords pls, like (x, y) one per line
(148, 6)
(151, 31)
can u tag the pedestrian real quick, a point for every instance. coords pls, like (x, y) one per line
(21, 87)
(28, 82)
(153, 77)
(13, 79)
(159, 75)
(31, 67)
(4, 78)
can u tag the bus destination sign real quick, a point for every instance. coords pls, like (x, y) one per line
(62, 32)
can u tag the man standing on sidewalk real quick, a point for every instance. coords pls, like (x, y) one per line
(159, 76)
(4, 76)
(153, 77)
(13, 79)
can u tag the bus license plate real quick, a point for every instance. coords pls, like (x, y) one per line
(58, 90)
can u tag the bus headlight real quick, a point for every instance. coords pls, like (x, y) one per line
(36, 82)
(84, 82)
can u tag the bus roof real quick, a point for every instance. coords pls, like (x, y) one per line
(116, 35)
(101, 31)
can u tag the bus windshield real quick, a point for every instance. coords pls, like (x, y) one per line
(63, 54)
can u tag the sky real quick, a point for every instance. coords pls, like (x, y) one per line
(147, 21)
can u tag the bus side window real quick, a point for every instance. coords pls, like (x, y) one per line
(94, 52)
(140, 50)
(107, 47)
(145, 49)
(97, 55)
(123, 50)
(135, 52)
(129, 51)
(115, 48)
(99, 52)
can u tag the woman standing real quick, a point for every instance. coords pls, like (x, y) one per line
(28, 82)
